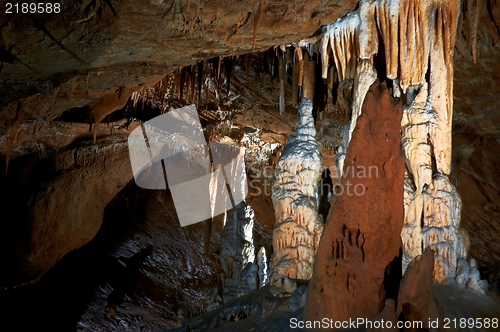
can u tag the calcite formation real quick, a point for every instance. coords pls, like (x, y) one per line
(262, 264)
(298, 226)
(357, 261)
(421, 71)
(237, 253)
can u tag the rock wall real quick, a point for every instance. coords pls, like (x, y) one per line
(298, 226)
(57, 203)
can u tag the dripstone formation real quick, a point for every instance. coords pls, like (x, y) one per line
(298, 226)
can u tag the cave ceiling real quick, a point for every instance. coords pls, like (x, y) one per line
(51, 62)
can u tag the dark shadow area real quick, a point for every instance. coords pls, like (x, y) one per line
(57, 301)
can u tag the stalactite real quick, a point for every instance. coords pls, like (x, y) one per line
(309, 78)
(219, 66)
(176, 82)
(295, 82)
(202, 65)
(473, 8)
(330, 80)
(188, 85)
(54, 98)
(193, 86)
(282, 80)
(228, 69)
(441, 80)
(342, 36)
(248, 65)
(301, 65)
(387, 13)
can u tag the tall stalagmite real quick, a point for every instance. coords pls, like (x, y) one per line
(298, 227)
(361, 241)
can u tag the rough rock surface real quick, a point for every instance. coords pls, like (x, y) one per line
(361, 244)
(298, 227)
(66, 194)
(416, 292)
(74, 59)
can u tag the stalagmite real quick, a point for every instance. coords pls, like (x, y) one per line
(298, 227)
(237, 252)
(361, 241)
(432, 204)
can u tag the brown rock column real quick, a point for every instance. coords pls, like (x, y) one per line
(361, 239)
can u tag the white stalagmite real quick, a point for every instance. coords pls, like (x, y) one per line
(238, 252)
(298, 227)
(417, 39)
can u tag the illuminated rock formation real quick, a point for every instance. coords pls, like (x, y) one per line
(238, 252)
(357, 262)
(421, 70)
(262, 264)
(298, 227)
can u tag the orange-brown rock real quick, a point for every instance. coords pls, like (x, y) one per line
(361, 242)
(416, 292)
(57, 202)
(132, 43)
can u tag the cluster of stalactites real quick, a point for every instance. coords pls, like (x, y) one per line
(417, 40)
(408, 31)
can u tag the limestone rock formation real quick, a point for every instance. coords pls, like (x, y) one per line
(58, 61)
(64, 208)
(388, 314)
(238, 252)
(421, 70)
(360, 246)
(298, 226)
(263, 268)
